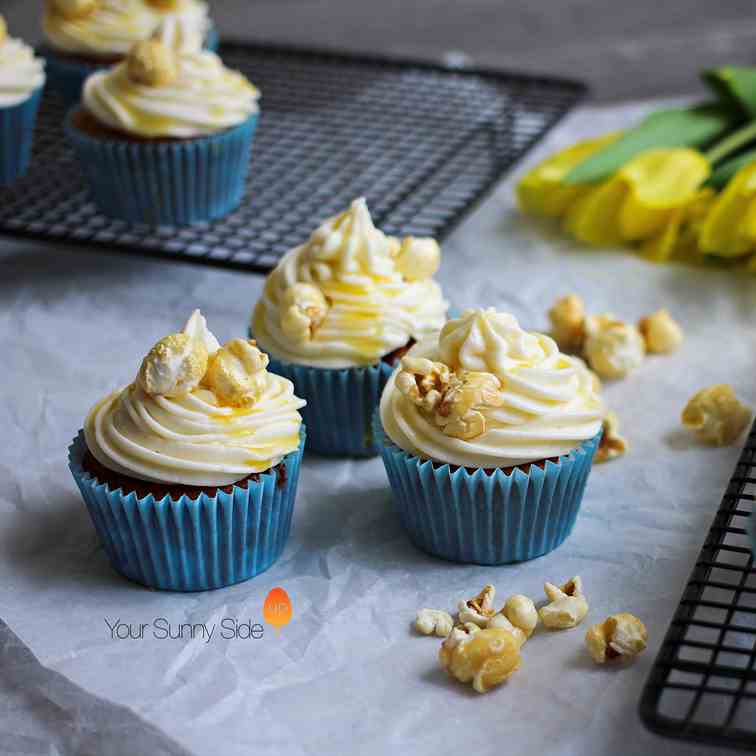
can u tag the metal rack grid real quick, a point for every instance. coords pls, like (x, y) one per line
(703, 684)
(424, 143)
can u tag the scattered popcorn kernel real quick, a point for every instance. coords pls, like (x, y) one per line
(612, 445)
(619, 635)
(522, 613)
(568, 606)
(485, 658)
(236, 372)
(567, 318)
(660, 332)
(716, 416)
(479, 609)
(613, 348)
(434, 621)
(152, 64)
(174, 366)
(418, 259)
(73, 9)
(501, 622)
(304, 308)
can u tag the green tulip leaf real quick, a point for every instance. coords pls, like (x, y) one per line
(734, 85)
(681, 127)
(724, 172)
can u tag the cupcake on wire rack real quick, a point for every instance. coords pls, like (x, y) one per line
(488, 434)
(165, 138)
(338, 312)
(190, 472)
(22, 79)
(85, 36)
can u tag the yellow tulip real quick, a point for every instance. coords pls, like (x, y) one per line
(641, 200)
(730, 227)
(542, 192)
(679, 236)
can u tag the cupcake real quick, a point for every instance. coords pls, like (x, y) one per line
(190, 472)
(22, 79)
(488, 433)
(338, 312)
(165, 138)
(85, 36)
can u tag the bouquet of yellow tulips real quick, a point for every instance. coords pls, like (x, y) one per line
(680, 185)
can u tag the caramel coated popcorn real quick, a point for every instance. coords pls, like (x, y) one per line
(568, 605)
(660, 332)
(567, 318)
(716, 416)
(485, 658)
(612, 444)
(418, 258)
(619, 636)
(152, 64)
(479, 609)
(236, 372)
(174, 366)
(303, 310)
(613, 348)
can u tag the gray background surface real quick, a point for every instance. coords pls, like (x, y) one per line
(623, 49)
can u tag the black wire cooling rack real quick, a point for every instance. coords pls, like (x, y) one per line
(703, 684)
(424, 143)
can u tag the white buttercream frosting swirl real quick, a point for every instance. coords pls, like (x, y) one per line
(547, 403)
(204, 98)
(114, 26)
(362, 293)
(195, 438)
(21, 73)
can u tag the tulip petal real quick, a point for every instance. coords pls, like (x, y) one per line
(593, 218)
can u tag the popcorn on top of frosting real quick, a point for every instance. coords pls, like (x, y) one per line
(486, 393)
(197, 414)
(350, 295)
(20, 72)
(159, 92)
(108, 28)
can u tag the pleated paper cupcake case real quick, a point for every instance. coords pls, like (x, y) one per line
(479, 518)
(17, 136)
(189, 544)
(166, 183)
(340, 405)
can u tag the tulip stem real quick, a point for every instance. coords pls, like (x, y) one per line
(731, 143)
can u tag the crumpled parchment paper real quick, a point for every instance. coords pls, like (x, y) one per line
(348, 675)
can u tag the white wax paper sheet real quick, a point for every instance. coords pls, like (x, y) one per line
(348, 674)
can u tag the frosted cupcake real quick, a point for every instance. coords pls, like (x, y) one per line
(488, 434)
(165, 138)
(22, 79)
(337, 313)
(84, 36)
(190, 472)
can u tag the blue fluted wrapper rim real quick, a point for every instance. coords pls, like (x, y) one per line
(190, 544)
(17, 136)
(340, 405)
(67, 76)
(481, 518)
(166, 183)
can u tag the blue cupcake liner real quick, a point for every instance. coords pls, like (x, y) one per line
(480, 518)
(166, 183)
(190, 544)
(67, 76)
(340, 405)
(16, 137)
